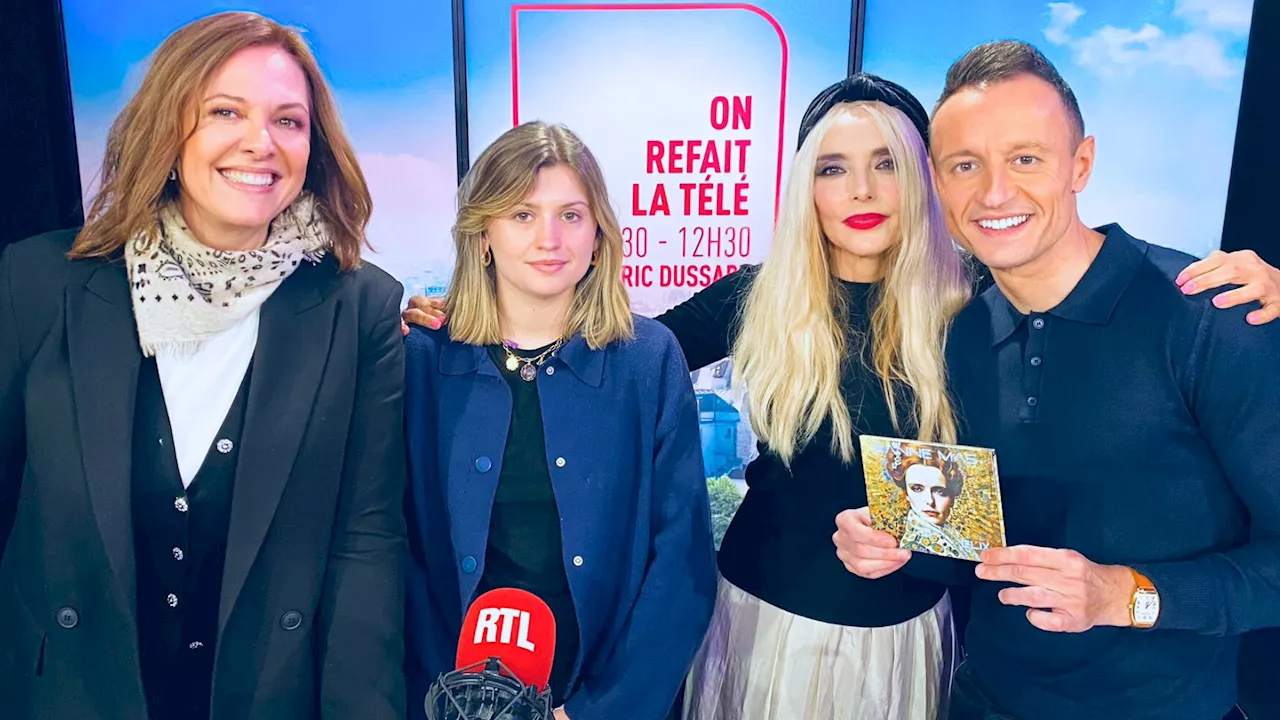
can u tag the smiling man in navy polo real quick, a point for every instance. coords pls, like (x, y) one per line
(1137, 429)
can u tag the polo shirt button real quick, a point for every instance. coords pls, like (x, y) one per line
(1035, 361)
(1038, 324)
(1032, 401)
(484, 464)
(559, 462)
(577, 561)
(468, 564)
(68, 618)
(291, 620)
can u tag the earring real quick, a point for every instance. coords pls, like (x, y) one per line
(486, 258)
(173, 174)
(595, 257)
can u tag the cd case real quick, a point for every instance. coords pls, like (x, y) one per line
(935, 498)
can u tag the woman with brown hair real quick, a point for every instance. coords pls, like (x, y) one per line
(201, 458)
(553, 443)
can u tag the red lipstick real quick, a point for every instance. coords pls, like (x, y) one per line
(865, 221)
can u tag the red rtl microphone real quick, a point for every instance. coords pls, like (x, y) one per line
(514, 626)
(505, 653)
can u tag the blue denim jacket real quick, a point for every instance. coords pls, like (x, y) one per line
(625, 460)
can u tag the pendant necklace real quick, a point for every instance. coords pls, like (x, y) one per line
(528, 366)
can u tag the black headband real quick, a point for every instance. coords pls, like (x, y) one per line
(868, 87)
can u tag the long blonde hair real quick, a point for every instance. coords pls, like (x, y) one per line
(791, 343)
(502, 177)
(145, 139)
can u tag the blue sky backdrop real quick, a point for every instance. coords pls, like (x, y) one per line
(390, 63)
(1158, 82)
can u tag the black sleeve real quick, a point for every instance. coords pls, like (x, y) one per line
(704, 325)
(1234, 395)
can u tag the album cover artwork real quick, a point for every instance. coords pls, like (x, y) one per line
(935, 498)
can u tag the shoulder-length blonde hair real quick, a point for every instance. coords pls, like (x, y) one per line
(145, 139)
(791, 344)
(503, 177)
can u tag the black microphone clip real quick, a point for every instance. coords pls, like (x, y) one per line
(486, 690)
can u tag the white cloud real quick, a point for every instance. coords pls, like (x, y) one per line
(1111, 51)
(1062, 15)
(1228, 15)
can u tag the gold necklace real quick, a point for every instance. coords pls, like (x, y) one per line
(528, 366)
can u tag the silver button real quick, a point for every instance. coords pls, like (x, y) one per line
(177, 554)
(1032, 401)
(180, 503)
(1035, 361)
(1037, 324)
(173, 600)
(196, 645)
(68, 617)
(577, 561)
(559, 462)
(551, 371)
(225, 445)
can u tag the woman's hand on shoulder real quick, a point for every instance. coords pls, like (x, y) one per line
(422, 311)
(1257, 280)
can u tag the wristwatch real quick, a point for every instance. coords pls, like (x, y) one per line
(1144, 604)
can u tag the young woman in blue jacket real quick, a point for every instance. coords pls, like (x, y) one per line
(553, 443)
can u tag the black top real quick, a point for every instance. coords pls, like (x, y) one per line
(525, 549)
(180, 547)
(778, 546)
(1138, 426)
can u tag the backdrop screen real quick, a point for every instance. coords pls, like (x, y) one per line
(693, 110)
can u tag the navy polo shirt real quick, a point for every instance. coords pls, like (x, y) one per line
(1140, 427)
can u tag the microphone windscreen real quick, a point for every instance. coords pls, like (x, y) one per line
(515, 627)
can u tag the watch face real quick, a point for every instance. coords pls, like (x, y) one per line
(1146, 607)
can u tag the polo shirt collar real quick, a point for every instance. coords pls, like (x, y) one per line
(1092, 300)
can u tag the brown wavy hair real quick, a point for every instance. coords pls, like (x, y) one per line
(950, 469)
(145, 139)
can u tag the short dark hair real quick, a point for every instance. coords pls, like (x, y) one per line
(999, 60)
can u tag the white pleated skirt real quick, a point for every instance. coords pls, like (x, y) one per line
(759, 662)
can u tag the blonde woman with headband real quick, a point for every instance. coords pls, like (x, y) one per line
(838, 333)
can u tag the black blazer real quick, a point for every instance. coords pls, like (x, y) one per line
(316, 527)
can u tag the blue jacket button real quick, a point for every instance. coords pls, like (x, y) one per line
(291, 620)
(468, 564)
(483, 464)
(68, 618)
